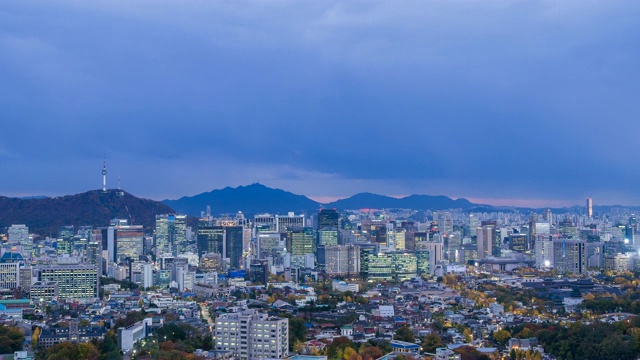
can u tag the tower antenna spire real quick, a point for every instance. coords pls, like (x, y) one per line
(104, 174)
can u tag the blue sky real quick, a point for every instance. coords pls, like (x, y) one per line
(522, 102)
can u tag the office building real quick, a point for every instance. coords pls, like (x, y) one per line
(342, 259)
(264, 222)
(74, 281)
(375, 231)
(570, 256)
(252, 335)
(484, 241)
(129, 242)
(590, 207)
(423, 260)
(379, 266)
(225, 240)
(259, 272)
(300, 244)
(518, 242)
(544, 251)
(271, 243)
(400, 239)
(19, 235)
(328, 227)
(171, 234)
(210, 239)
(291, 220)
(405, 265)
(44, 291)
(9, 275)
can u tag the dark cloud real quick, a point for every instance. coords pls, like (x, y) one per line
(523, 100)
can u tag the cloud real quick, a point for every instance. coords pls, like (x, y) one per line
(458, 97)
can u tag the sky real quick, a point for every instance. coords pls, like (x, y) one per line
(530, 103)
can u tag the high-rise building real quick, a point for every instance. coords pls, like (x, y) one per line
(423, 266)
(301, 241)
(300, 244)
(291, 220)
(210, 240)
(544, 251)
(147, 275)
(484, 240)
(259, 272)
(9, 275)
(400, 237)
(252, 335)
(264, 222)
(225, 240)
(233, 245)
(405, 265)
(570, 256)
(271, 243)
(342, 259)
(375, 231)
(518, 242)
(19, 235)
(328, 227)
(74, 281)
(590, 207)
(171, 234)
(380, 266)
(64, 244)
(130, 242)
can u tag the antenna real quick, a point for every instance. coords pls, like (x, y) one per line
(104, 173)
(119, 183)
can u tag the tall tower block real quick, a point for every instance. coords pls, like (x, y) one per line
(590, 207)
(104, 176)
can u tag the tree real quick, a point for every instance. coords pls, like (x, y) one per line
(405, 334)
(370, 352)
(348, 352)
(431, 342)
(297, 331)
(468, 337)
(34, 338)
(501, 336)
(11, 339)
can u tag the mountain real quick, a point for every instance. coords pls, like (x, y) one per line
(46, 215)
(250, 199)
(417, 202)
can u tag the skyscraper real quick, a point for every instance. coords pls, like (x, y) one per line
(233, 245)
(291, 220)
(328, 227)
(19, 235)
(570, 256)
(484, 240)
(171, 234)
(342, 259)
(130, 241)
(225, 240)
(590, 207)
(210, 240)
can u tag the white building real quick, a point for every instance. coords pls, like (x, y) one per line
(544, 251)
(129, 336)
(342, 286)
(147, 275)
(252, 335)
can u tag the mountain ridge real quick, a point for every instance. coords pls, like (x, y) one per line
(46, 215)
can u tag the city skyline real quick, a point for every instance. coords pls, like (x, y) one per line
(526, 104)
